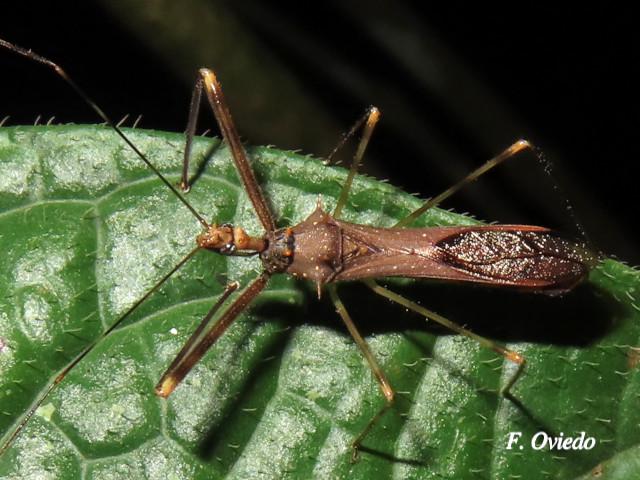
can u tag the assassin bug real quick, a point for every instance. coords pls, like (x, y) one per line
(325, 250)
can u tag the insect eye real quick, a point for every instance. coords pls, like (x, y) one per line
(227, 249)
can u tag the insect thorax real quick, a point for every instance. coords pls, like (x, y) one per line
(278, 255)
(315, 248)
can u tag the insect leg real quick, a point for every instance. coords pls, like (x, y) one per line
(207, 80)
(510, 355)
(510, 152)
(385, 386)
(352, 131)
(86, 351)
(372, 117)
(194, 110)
(200, 342)
(228, 290)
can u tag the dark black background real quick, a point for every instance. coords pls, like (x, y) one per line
(444, 76)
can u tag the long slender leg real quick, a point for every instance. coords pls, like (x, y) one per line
(510, 355)
(207, 80)
(94, 106)
(199, 343)
(197, 333)
(87, 350)
(510, 152)
(346, 136)
(194, 111)
(372, 118)
(385, 386)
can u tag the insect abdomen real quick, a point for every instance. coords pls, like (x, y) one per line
(520, 256)
(517, 255)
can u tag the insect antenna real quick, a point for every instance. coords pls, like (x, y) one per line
(96, 108)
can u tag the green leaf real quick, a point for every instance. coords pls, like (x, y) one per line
(86, 230)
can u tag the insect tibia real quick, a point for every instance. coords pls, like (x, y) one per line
(227, 239)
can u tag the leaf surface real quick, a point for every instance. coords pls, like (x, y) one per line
(86, 230)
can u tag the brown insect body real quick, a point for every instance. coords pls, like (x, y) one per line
(323, 249)
(521, 256)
